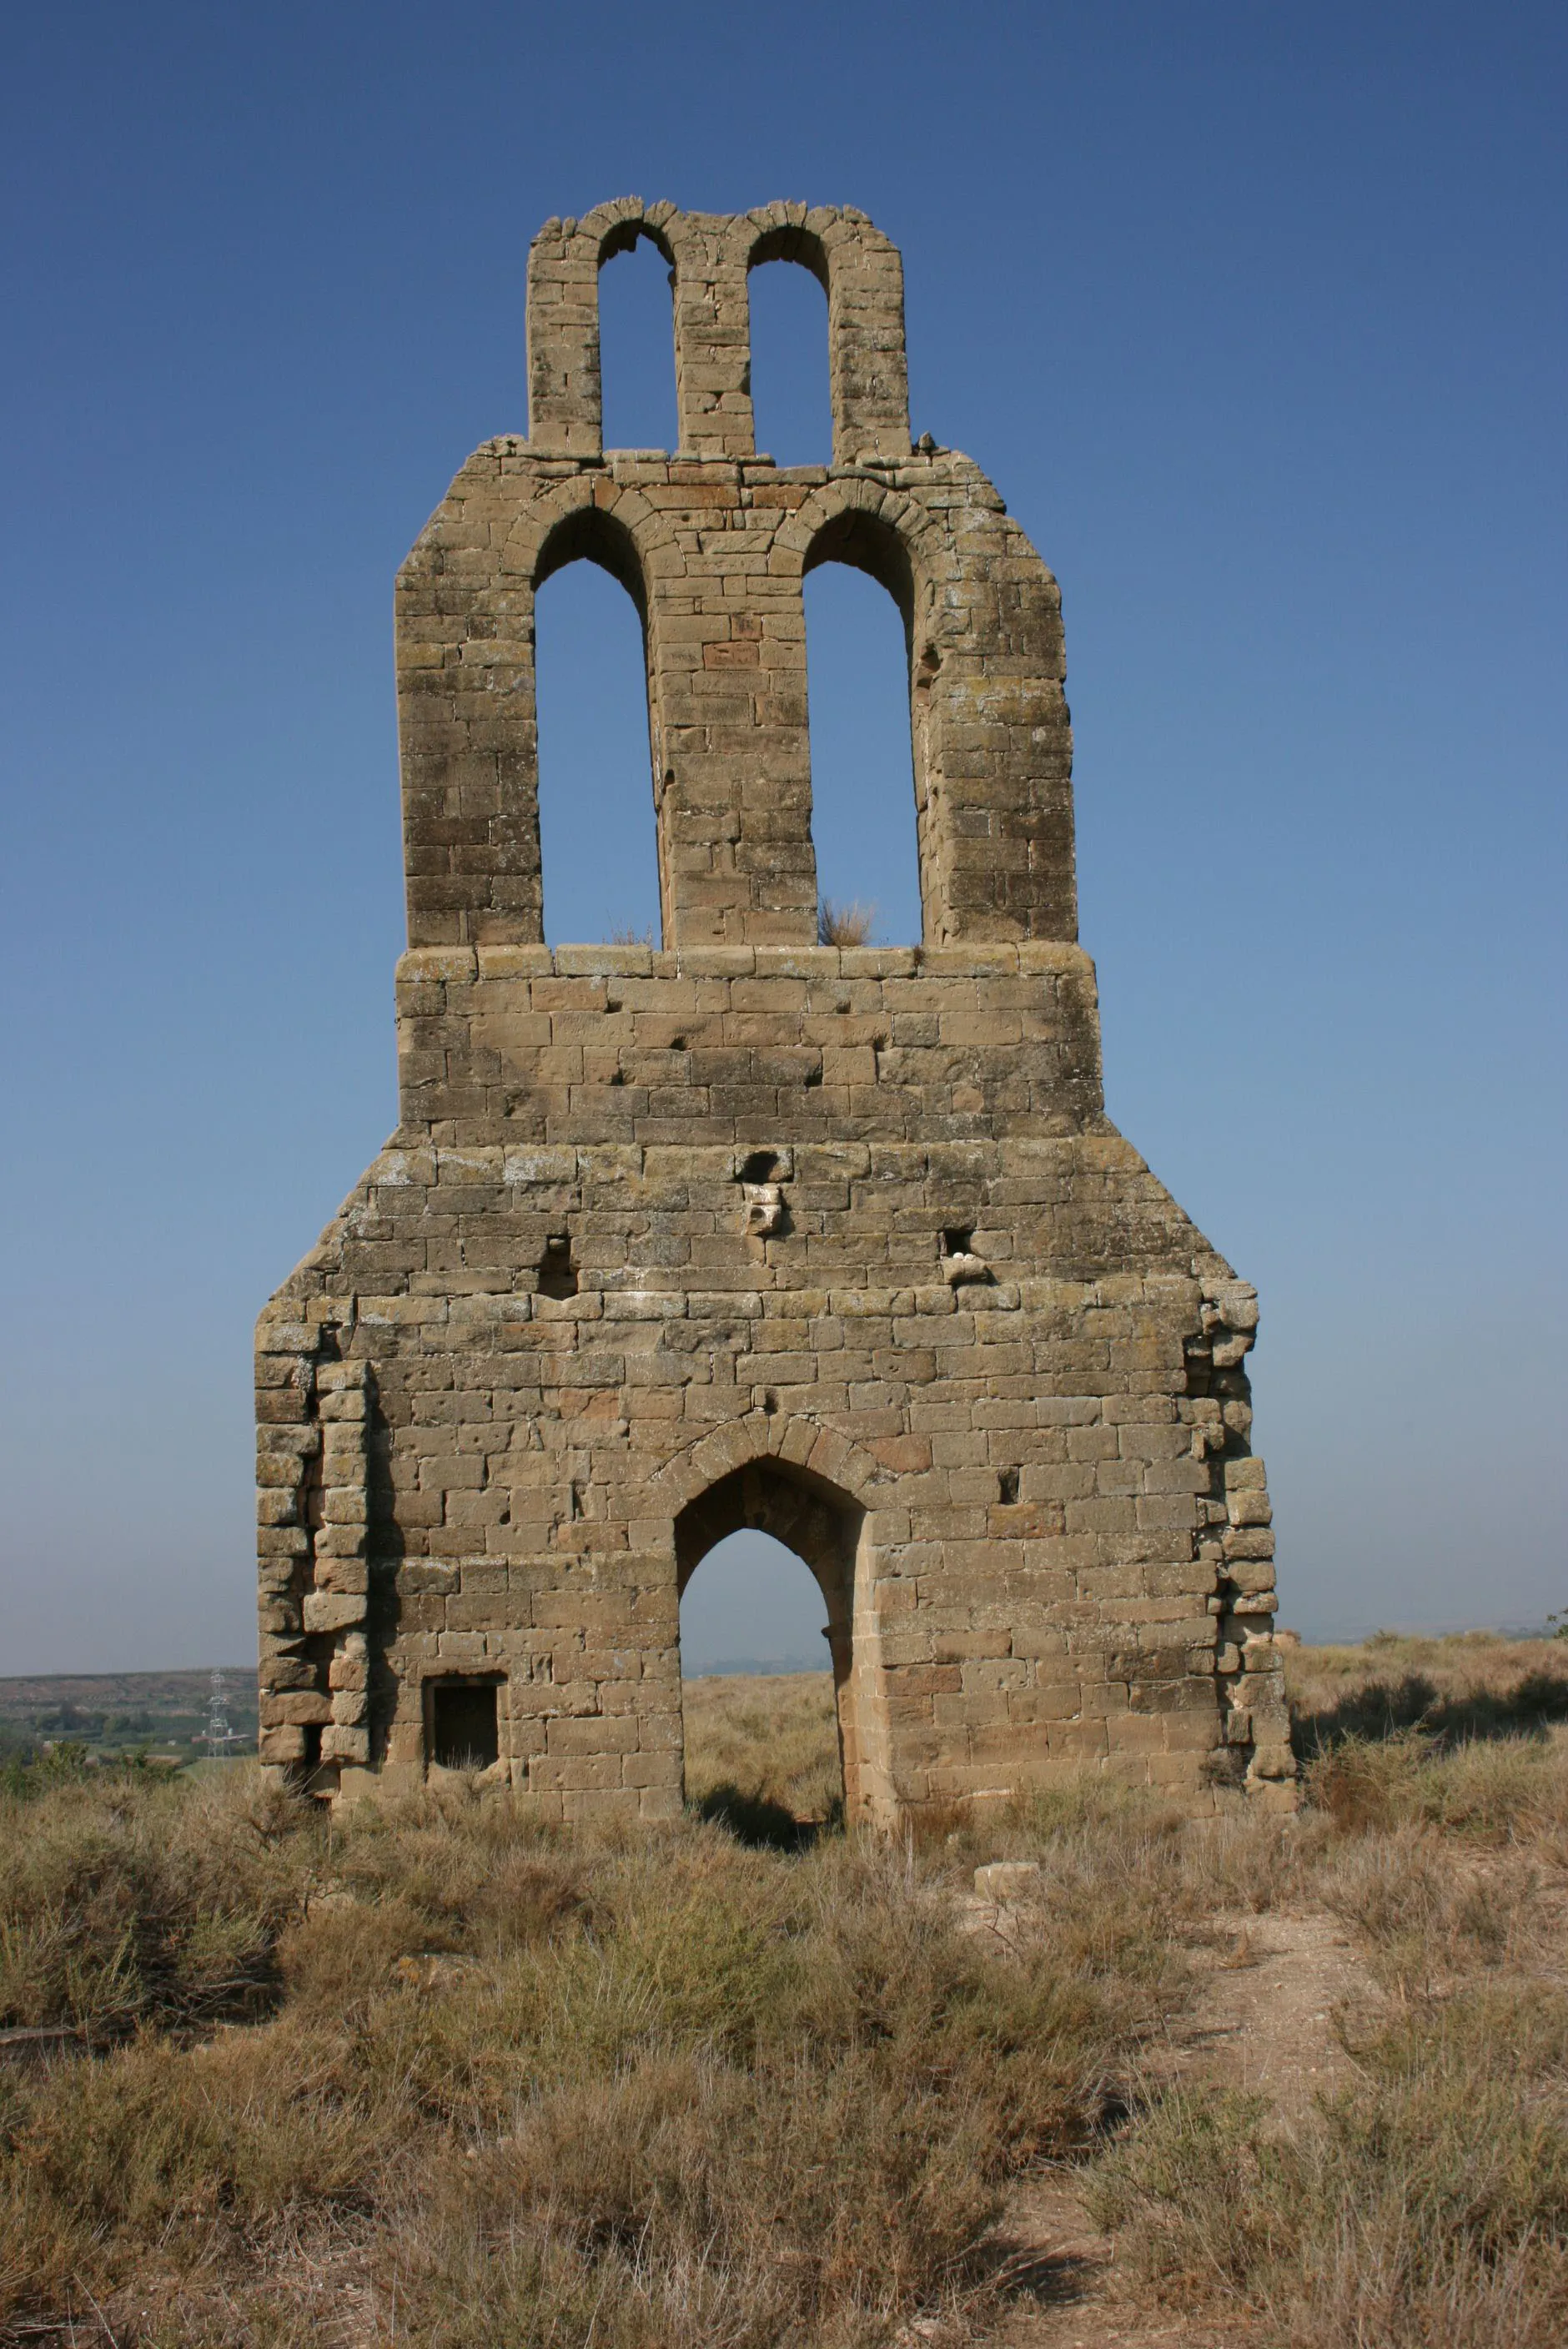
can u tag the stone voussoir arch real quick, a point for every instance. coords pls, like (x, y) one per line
(819, 237)
(652, 536)
(930, 560)
(615, 227)
(777, 1438)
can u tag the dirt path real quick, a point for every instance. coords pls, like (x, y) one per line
(1263, 2016)
(1261, 2019)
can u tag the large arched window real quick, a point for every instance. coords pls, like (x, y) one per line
(636, 343)
(597, 830)
(859, 606)
(790, 406)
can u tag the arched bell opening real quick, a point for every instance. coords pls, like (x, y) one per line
(870, 693)
(637, 361)
(792, 404)
(826, 1529)
(600, 855)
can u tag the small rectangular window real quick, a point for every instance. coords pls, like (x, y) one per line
(463, 1723)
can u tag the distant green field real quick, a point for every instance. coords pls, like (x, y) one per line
(121, 1713)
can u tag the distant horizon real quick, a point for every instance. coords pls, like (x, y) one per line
(776, 1667)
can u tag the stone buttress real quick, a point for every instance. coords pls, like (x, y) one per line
(750, 1231)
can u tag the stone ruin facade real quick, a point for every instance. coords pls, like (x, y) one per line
(750, 1231)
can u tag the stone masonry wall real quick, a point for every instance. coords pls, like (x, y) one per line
(835, 1242)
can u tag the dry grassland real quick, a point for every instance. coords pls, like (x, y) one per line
(432, 2075)
(762, 1753)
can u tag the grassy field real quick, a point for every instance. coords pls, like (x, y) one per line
(762, 1752)
(431, 2075)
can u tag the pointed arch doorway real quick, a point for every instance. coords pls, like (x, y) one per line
(825, 1528)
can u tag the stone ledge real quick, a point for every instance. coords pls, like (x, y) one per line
(430, 965)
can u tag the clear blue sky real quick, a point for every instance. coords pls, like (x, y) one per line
(1255, 317)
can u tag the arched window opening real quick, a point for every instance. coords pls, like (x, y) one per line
(863, 819)
(597, 831)
(762, 1752)
(638, 343)
(790, 405)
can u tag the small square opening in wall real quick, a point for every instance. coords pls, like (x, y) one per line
(557, 1271)
(464, 1725)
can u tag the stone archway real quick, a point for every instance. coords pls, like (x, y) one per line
(826, 1528)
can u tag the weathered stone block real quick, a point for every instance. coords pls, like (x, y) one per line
(332, 1610)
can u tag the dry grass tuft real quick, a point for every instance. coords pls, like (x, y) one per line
(844, 926)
